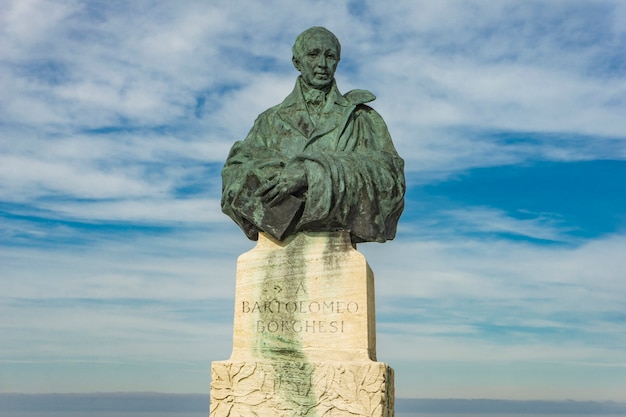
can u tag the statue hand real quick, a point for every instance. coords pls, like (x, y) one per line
(291, 180)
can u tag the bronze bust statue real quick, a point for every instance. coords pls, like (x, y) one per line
(319, 161)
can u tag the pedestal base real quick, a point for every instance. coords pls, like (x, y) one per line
(304, 342)
(287, 389)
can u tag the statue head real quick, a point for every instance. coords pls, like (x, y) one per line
(316, 54)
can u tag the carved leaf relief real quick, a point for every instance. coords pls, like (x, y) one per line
(298, 390)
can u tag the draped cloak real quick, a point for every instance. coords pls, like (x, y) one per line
(355, 176)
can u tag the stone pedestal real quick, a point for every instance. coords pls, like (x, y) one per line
(304, 335)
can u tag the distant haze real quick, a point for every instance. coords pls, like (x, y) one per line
(196, 404)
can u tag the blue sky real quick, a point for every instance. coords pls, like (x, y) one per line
(506, 279)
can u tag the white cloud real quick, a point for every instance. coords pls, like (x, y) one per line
(578, 287)
(83, 181)
(30, 21)
(148, 65)
(550, 301)
(200, 211)
(187, 264)
(117, 166)
(486, 220)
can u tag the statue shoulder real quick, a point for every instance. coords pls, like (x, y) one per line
(359, 96)
(264, 118)
(364, 114)
(270, 112)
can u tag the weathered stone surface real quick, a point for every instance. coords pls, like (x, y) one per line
(287, 389)
(304, 340)
(311, 295)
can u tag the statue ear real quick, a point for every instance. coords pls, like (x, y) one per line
(296, 63)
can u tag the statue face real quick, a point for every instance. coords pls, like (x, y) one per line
(318, 61)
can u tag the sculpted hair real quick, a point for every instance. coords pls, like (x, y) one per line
(301, 40)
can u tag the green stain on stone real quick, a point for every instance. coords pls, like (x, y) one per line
(292, 372)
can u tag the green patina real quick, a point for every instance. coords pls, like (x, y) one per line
(319, 161)
(292, 372)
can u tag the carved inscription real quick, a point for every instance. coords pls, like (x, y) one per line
(278, 315)
(275, 306)
(299, 326)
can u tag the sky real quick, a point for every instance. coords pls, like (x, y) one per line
(506, 278)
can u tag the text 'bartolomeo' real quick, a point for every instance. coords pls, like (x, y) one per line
(278, 307)
(278, 315)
